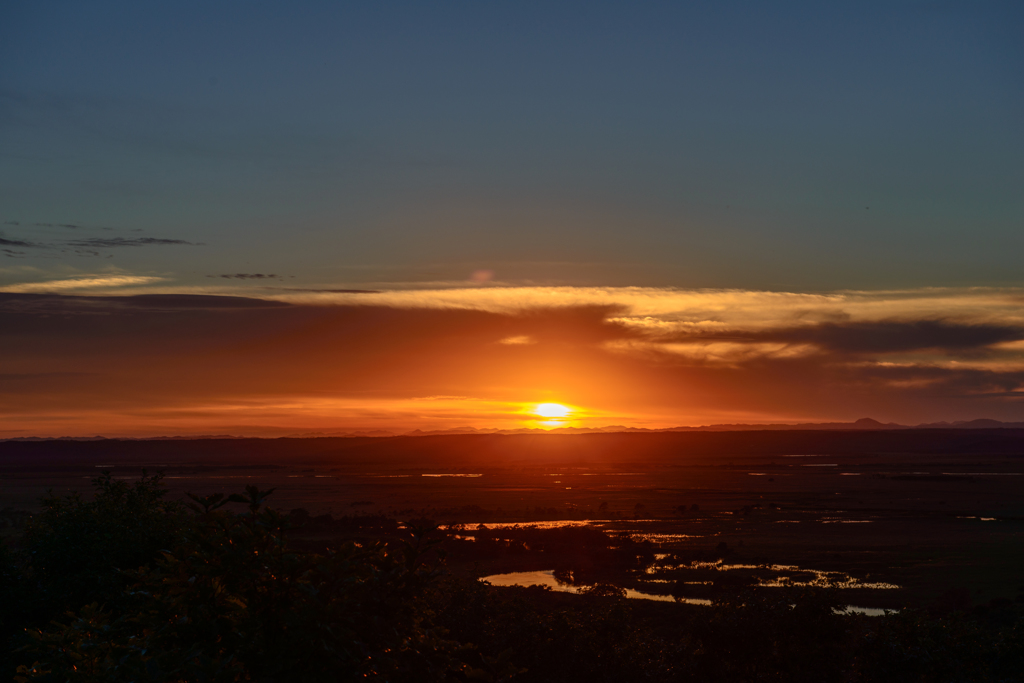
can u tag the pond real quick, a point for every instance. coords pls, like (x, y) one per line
(548, 580)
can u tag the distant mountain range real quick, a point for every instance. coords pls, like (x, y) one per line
(863, 424)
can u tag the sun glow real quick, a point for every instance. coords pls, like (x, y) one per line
(551, 410)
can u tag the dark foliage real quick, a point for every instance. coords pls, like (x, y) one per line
(591, 639)
(227, 600)
(77, 547)
(18, 609)
(130, 587)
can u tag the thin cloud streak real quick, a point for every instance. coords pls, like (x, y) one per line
(17, 243)
(110, 242)
(102, 281)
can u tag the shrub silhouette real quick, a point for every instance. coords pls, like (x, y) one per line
(227, 600)
(77, 547)
(132, 587)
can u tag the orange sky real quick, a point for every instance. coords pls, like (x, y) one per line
(146, 360)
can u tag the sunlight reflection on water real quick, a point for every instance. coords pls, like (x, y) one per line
(547, 579)
(558, 524)
(451, 474)
(818, 577)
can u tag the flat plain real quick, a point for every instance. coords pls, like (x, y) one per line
(911, 517)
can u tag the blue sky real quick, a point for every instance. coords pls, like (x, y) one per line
(803, 146)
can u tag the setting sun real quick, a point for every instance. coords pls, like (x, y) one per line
(551, 410)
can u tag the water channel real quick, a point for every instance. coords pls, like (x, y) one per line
(547, 579)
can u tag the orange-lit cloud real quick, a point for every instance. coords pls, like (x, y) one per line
(89, 282)
(173, 361)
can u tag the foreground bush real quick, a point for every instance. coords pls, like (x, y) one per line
(77, 546)
(131, 587)
(226, 600)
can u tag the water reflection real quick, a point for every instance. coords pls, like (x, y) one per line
(558, 524)
(448, 474)
(776, 575)
(547, 579)
(867, 611)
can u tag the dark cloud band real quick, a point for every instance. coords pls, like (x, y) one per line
(112, 242)
(165, 350)
(17, 243)
(877, 337)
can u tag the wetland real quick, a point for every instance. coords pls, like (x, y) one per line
(892, 519)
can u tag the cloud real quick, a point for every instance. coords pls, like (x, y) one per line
(17, 243)
(721, 309)
(518, 339)
(329, 291)
(190, 358)
(110, 242)
(248, 276)
(193, 301)
(865, 338)
(730, 326)
(889, 336)
(935, 380)
(709, 352)
(72, 226)
(86, 246)
(101, 281)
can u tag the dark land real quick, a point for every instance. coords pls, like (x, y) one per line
(345, 559)
(938, 513)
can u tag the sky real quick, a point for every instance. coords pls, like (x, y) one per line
(289, 217)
